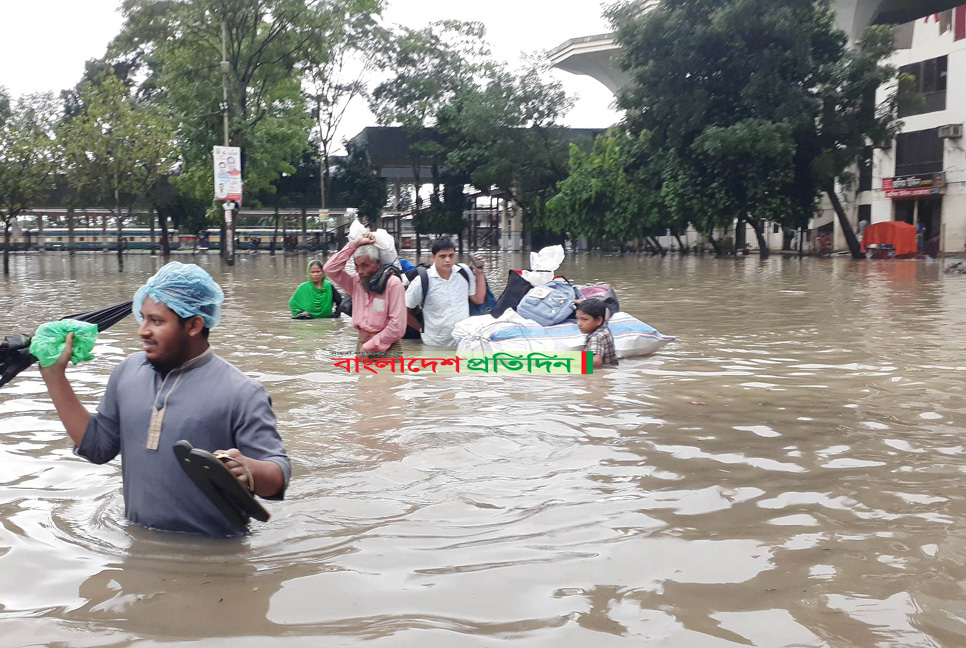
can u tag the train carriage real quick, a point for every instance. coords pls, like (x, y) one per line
(312, 239)
(91, 239)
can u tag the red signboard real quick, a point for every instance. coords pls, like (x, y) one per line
(929, 184)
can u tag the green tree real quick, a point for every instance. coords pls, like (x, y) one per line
(358, 183)
(602, 198)
(429, 67)
(717, 82)
(335, 76)
(505, 133)
(176, 46)
(28, 156)
(118, 148)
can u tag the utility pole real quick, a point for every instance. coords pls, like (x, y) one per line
(228, 238)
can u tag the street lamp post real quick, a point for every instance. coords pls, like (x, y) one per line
(228, 241)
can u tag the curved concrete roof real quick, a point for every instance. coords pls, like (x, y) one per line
(593, 55)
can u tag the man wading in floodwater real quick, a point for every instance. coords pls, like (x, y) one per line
(378, 312)
(175, 389)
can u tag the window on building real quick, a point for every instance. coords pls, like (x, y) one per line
(865, 213)
(930, 83)
(919, 152)
(865, 170)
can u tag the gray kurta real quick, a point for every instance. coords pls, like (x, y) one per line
(213, 407)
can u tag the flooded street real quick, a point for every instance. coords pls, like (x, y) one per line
(790, 472)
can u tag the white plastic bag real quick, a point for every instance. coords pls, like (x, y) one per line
(386, 245)
(543, 264)
(548, 259)
(356, 229)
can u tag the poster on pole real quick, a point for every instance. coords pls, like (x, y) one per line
(228, 178)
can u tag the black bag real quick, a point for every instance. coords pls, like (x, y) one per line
(516, 288)
(414, 333)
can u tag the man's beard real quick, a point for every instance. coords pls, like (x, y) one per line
(172, 362)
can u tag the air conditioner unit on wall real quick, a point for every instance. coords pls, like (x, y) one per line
(952, 131)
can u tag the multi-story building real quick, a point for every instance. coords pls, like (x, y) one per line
(920, 177)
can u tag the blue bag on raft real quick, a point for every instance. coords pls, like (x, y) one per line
(549, 304)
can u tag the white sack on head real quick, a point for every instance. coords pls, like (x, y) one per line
(356, 229)
(386, 245)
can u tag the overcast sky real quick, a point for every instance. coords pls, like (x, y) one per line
(48, 42)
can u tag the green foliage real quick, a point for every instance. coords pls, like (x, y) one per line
(753, 106)
(28, 151)
(429, 67)
(603, 198)
(330, 87)
(357, 183)
(176, 46)
(116, 148)
(504, 133)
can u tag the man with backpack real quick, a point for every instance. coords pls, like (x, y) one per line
(444, 291)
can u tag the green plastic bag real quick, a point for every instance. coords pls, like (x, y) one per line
(48, 342)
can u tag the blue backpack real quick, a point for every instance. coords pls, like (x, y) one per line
(549, 304)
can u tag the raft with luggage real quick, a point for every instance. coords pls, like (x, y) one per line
(536, 313)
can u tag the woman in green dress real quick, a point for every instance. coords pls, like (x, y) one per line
(317, 297)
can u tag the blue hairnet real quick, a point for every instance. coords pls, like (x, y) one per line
(184, 288)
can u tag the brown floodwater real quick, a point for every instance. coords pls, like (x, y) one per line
(790, 472)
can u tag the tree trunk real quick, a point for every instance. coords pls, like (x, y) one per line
(271, 247)
(104, 246)
(120, 233)
(6, 245)
(459, 238)
(40, 233)
(305, 220)
(165, 242)
(418, 247)
(714, 244)
(681, 246)
(756, 225)
(70, 230)
(850, 237)
(801, 242)
(284, 235)
(657, 246)
(324, 180)
(151, 244)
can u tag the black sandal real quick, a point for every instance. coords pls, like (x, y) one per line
(216, 481)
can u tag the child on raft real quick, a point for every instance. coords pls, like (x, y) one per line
(592, 322)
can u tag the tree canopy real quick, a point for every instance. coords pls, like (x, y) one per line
(28, 155)
(746, 110)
